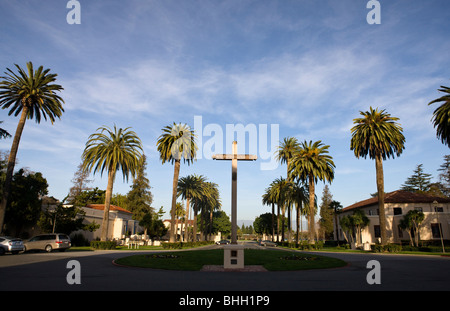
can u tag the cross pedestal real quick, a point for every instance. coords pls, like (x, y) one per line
(234, 254)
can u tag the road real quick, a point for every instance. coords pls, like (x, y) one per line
(42, 271)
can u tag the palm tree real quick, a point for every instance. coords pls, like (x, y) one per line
(31, 94)
(269, 198)
(286, 151)
(189, 187)
(378, 136)
(210, 202)
(175, 143)
(112, 150)
(278, 189)
(299, 197)
(441, 116)
(310, 164)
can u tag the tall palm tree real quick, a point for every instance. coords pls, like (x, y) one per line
(285, 152)
(188, 188)
(279, 192)
(32, 94)
(175, 143)
(112, 150)
(269, 198)
(310, 164)
(299, 196)
(210, 202)
(441, 116)
(378, 136)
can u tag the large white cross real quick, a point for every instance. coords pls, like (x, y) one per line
(234, 157)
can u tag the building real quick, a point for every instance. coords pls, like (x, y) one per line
(435, 226)
(120, 222)
(181, 228)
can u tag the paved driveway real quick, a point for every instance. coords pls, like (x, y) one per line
(97, 272)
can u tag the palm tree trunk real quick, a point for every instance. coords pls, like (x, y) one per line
(380, 188)
(298, 223)
(273, 222)
(210, 224)
(278, 222)
(187, 220)
(176, 173)
(311, 208)
(194, 237)
(108, 195)
(11, 164)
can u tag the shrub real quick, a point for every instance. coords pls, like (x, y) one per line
(180, 245)
(389, 248)
(79, 240)
(103, 244)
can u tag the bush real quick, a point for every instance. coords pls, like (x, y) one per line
(79, 240)
(180, 245)
(103, 244)
(389, 248)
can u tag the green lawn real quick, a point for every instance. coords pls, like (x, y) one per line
(272, 260)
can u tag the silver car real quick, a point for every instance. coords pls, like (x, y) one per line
(48, 242)
(9, 244)
(268, 243)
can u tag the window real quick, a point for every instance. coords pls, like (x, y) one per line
(397, 210)
(439, 209)
(436, 230)
(418, 209)
(377, 230)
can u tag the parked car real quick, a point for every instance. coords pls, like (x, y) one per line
(9, 244)
(268, 243)
(48, 242)
(223, 242)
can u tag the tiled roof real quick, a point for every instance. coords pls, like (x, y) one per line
(111, 208)
(399, 196)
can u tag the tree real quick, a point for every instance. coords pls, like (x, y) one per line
(112, 150)
(286, 151)
(326, 214)
(278, 190)
(311, 164)
(337, 207)
(25, 203)
(209, 203)
(94, 196)
(444, 176)
(190, 187)
(441, 116)
(65, 219)
(139, 199)
(80, 183)
(31, 94)
(269, 198)
(359, 221)
(263, 224)
(418, 182)
(175, 143)
(378, 136)
(412, 221)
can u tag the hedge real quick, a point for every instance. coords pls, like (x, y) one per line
(103, 244)
(180, 245)
(389, 248)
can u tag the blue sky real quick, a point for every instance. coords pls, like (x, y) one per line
(305, 66)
